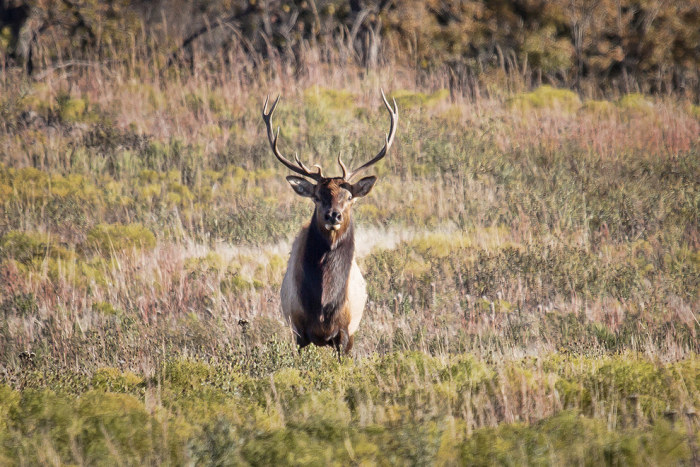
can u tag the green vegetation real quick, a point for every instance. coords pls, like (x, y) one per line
(531, 252)
(603, 109)
(109, 238)
(71, 109)
(402, 407)
(409, 99)
(546, 97)
(636, 104)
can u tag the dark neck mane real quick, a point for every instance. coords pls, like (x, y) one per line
(326, 264)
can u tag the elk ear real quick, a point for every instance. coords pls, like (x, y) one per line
(302, 186)
(362, 187)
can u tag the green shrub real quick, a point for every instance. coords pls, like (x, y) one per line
(411, 99)
(569, 439)
(114, 426)
(187, 374)
(41, 413)
(70, 109)
(270, 404)
(25, 247)
(236, 282)
(623, 377)
(113, 380)
(635, 104)
(332, 98)
(546, 97)
(694, 110)
(114, 238)
(599, 108)
(212, 262)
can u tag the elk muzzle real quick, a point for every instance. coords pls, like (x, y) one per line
(333, 219)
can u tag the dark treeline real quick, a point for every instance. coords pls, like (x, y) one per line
(597, 47)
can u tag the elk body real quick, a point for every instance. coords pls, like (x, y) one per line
(323, 292)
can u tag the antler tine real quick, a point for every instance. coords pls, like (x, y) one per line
(388, 139)
(342, 166)
(301, 169)
(319, 172)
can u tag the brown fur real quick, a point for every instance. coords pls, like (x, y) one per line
(322, 260)
(316, 296)
(325, 266)
(323, 293)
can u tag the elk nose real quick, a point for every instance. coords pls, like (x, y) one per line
(334, 216)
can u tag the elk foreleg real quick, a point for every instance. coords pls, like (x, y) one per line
(348, 346)
(302, 341)
(342, 342)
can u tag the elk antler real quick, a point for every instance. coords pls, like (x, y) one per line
(394, 115)
(300, 168)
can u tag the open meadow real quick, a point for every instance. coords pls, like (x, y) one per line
(532, 258)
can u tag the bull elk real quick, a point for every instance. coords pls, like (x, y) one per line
(323, 292)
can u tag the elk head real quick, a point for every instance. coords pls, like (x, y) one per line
(333, 196)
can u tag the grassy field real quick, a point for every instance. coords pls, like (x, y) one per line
(532, 262)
